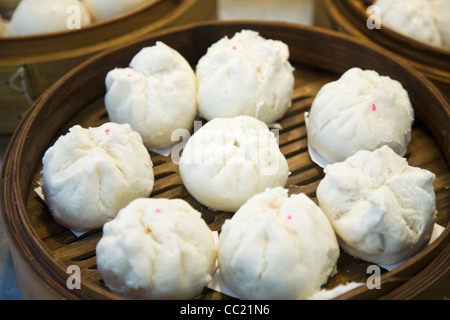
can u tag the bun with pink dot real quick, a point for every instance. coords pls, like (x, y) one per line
(157, 249)
(362, 110)
(277, 246)
(245, 75)
(89, 174)
(155, 95)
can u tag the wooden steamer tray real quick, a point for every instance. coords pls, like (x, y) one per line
(42, 250)
(350, 16)
(30, 64)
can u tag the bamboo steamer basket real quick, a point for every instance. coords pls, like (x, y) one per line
(350, 16)
(30, 64)
(42, 250)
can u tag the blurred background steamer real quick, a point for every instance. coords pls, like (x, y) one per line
(42, 250)
(29, 64)
(354, 17)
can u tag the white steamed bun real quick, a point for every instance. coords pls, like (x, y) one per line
(156, 249)
(229, 160)
(423, 20)
(381, 209)
(90, 174)
(107, 9)
(43, 16)
(245, 75)
(155, 95)
(277, 247)
(360, 111)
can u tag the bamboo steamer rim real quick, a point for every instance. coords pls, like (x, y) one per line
(92, 38)
(24, 238)
(351, 16)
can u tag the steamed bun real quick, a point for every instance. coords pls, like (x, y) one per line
(155, 95)
(245, 75)
(156, 249)
(43, 16)
(360, 111)
(381, 209)
(277, 247)
(107, 9)
(90, 174)
(229, 160)
(424, 20)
